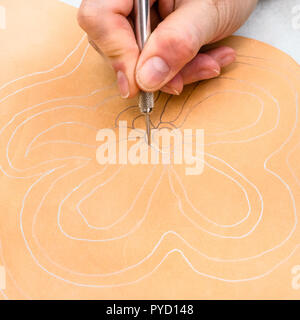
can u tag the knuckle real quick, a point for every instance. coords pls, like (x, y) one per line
(86, 22)
(229, 15)
(89, 16)
(114, 49)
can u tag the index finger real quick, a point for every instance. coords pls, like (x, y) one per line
(108, 27)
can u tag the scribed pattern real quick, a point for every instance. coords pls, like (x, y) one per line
(80, 225)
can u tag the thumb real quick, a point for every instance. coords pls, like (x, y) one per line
(175, 42)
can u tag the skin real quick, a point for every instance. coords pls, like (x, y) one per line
(174, 55)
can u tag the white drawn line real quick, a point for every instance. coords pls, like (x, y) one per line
(175, 250)
(2, 278)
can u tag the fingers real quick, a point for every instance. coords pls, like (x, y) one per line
(204, 66)
(231, 16)
(224, 56)
(173, 48)
(207, 65)
(175, 42)
(166, 7)
(171, 57)
(110, 31)
(174, 86)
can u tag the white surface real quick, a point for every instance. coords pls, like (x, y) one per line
(75, 3)
(276, 22)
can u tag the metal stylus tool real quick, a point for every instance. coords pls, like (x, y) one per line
(143, 31)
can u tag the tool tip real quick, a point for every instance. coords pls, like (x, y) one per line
(148, 128)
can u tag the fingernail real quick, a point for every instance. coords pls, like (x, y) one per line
(208, 73)
(123, 84)
(227, 59)
(152, 73)
(170, 90)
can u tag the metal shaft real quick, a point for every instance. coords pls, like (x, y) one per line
(142, 23)
(143, 31)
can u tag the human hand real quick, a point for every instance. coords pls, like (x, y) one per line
(171, 57)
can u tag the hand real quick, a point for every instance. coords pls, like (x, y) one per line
(171, 56)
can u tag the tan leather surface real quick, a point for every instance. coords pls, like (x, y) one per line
(72, 229)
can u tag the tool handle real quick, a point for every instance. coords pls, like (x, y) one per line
(143, 31)
(142, 22)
